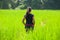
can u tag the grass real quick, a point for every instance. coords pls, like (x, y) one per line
(47, 25)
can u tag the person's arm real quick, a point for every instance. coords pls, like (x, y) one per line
(33, 20)
(23, 20)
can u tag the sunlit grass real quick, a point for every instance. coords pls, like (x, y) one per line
(47, 25)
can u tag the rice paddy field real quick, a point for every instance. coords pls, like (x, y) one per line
(47, 25)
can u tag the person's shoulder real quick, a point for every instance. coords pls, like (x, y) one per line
(32, 14)
(24, 15)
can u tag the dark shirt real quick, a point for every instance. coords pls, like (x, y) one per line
(29, 18)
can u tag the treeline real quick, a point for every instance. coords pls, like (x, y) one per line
(35, 4)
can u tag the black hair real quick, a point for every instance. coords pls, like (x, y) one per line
(29, 10)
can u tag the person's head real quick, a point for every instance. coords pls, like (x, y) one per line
(29, 9)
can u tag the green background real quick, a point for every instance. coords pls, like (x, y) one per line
(47, 25)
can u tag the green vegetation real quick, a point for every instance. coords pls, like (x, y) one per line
(35, 4)
(47, 25)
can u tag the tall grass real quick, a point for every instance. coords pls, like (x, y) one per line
(47, 25)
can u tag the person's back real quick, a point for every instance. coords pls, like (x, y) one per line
(29, 19)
